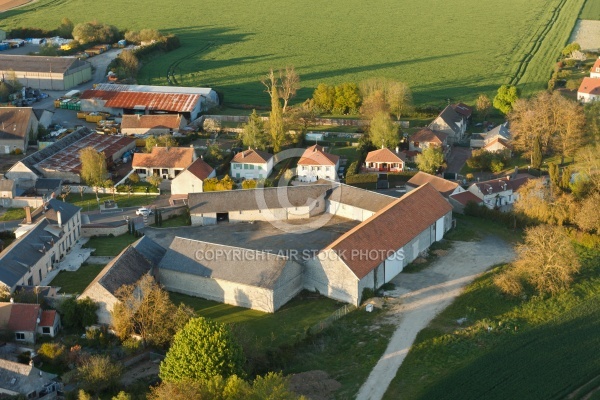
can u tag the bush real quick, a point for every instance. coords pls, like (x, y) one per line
(249, 184)
(98, 374)
(24, 357)
(367, 294)
(52, 353)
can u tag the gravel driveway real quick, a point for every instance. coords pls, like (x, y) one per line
(422, 295)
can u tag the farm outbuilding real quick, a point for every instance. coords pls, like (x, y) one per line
(18, 125)
(265, 204)
(230, 275)
(355, 203)
(46, 73)
(378, 249)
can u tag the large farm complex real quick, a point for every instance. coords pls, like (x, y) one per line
(316, 200)
(441, 49)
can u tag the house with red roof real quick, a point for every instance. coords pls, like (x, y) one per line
(460, 200)
(159, 124)
(166, 162)
(595, 71)
(426, 138)
(444, 186)
(589, 90)
(317, 164)
(27, 321)
(499, 193)
(251, 164)
(192, 179)
(375, 251)
(384, 160)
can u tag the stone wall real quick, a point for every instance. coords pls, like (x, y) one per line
(105, 300)
(103, 230)
(329, 275)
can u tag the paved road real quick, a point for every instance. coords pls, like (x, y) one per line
(422, 295)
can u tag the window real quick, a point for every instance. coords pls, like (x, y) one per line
(19, 336)
(251, 166)
(245, 166)
(40, 274)
(416, 144)
(30, 281)
(46, 330)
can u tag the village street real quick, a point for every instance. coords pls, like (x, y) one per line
(422, 295)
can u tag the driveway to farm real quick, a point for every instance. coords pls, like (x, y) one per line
(422, 295)
(457, 158)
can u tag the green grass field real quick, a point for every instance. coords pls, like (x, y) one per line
(13, 214)
(444, 50)
(88, 201)
(509, 348)
(109, 246)
(590, 10)
(72, 282)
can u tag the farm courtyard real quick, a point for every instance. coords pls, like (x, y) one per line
(443, 50)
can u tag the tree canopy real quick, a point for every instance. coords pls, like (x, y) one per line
(145, 309)
(383, 132)
(93, 166)
(430, 159)
(160, 141)
(253, 133)
(505, 98)
(201, 350)
(95, 32)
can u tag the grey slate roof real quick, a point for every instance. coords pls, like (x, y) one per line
(255, 199)
(129, 266)
(52, 206)
(47, 183)
(22, 378)
(233, 264)
(24, 252)
(451, 117)
(501, 130)
(31, 160)
(360, 198)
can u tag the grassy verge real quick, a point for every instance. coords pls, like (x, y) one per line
(350, 153)
(13, 214)
(179, 220)
(72, 282)
(530, 347)
(109, 246)
(347, 351)
(472, 228)
(88, 201)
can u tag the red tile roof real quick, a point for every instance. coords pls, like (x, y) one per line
(164, 157)
(23, 317)
(384, 156)
(48, 317)
(315, 155)
(170, 121)
(390, 229)
(596, 66)
(200, 169)
(429, 136)
(152, 101)
(252, 156)
(463, 109)
(465, 197)
(444, 186)
(590, 86)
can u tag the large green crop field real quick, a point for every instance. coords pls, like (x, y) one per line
(590, 10)
(443, 49)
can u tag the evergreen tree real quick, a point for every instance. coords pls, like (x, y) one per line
(536, 154)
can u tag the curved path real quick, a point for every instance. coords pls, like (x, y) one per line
(422, 295)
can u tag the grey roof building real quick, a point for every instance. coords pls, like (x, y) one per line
(47, 73)
(22, 379)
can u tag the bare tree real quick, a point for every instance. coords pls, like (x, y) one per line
(66, 190)
(399, 98)
(483, 105)
(289, 85)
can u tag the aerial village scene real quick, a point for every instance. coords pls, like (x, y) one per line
(285, 201)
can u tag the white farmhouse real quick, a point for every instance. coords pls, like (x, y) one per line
(499, 193)
(166, 162)
(251, 164)
(316, 164)
(450, 122)
(192, 178)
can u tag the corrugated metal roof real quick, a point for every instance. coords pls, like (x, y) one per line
(113, 87)
(39, 63)
(154, 101)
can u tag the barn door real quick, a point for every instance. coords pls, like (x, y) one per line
(439, 229)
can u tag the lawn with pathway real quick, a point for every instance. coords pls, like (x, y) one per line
(75, 282)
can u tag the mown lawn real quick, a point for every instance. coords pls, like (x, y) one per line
(88, 201)
(264, 330)
(72, 282)
(179, 220)
(13, 214)
(590, 10)
(509, 348)
(338, 41)
(109, 246)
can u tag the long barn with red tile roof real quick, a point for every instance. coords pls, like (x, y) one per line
(378, 249)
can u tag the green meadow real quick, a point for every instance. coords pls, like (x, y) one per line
(590, 10)
(443, 49)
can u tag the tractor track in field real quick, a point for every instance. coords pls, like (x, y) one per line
(171, 79)
(537, 43)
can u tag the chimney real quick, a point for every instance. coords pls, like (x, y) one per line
(28, 214)
(59, 218)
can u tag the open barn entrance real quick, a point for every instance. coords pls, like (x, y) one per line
(223, 217)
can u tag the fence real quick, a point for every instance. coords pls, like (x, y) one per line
(326, 323)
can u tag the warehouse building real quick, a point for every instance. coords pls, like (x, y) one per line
(46, 73)
(140, 99)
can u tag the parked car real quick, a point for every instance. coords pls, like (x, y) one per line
(143, 211)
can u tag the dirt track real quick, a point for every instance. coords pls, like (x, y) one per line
(8, 4)
(422, 295)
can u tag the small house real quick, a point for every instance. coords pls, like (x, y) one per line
(192, 178)
(499, 193)
(444, 186)
(317, 164)
(426, 138)
(159, 124)
(384, 160)
(18, 125)
(18, 379)
(166, 162)
(450, 122)
(251, 164)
